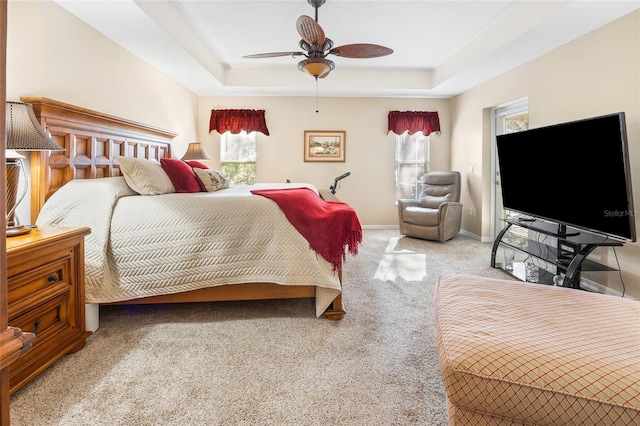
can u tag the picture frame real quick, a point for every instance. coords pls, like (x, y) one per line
(324, 145)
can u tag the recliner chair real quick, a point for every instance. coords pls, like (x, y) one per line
(437, 214)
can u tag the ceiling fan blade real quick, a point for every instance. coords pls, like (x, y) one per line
(274, 55)
(361, 50)
(310, 30)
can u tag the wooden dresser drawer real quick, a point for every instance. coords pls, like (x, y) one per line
(45, 320)
(45, 282)
(49, 322)
(36, 286)
(37, 257)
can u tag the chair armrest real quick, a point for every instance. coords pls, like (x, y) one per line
(407, 202)
(450, 210)
(450, 219)
(449, 205)
(403, 203)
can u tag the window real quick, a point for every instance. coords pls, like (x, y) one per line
(412, 161)
(515, 122)
(508, 119)
(238, 157)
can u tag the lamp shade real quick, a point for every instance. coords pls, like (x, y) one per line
(195, 152)
(23, 131)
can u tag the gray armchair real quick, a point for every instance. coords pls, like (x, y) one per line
(437, 215)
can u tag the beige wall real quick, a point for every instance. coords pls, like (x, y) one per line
(51, 53)
(369, 149)
(594, 75)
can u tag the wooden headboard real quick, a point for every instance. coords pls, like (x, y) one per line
(92, 142)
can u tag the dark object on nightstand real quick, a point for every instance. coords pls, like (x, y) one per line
(335, 182)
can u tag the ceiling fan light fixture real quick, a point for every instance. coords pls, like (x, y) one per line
(317, 67)
(317, 46)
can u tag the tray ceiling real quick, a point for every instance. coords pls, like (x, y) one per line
(441, 48)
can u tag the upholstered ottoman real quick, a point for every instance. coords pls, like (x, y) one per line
(519, 353)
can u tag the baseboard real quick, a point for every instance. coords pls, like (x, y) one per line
(462, 232)
(469, 234)
(380, 227)
(475, 237)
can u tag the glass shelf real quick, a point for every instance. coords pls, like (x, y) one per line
(560, 250)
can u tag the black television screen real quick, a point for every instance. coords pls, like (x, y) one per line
(576, 174)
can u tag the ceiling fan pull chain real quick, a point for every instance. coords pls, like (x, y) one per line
(316, 95)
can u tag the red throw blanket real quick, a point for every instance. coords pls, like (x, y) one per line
(329, 227)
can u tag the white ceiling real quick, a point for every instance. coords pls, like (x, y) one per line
(441, 48)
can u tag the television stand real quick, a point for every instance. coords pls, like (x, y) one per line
(567, 254)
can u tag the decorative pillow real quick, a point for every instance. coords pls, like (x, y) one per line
(146, 177)
(198, 164)
(182, 175)
(212, 179)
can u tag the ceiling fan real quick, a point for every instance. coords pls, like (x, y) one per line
(316, 47)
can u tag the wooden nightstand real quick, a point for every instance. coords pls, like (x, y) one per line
(45, 280)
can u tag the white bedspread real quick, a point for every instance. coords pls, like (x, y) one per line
(149, 245)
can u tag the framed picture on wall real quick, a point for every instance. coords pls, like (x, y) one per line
(324, 145)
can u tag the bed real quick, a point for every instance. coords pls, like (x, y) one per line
(234, 246)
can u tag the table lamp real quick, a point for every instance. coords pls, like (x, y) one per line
(23, 134)
(195, 152)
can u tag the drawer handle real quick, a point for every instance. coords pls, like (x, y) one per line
(36, 325)
(53, 278)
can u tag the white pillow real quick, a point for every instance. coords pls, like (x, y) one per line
(211, 179)
(146, 177)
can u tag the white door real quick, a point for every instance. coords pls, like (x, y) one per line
(510, 118)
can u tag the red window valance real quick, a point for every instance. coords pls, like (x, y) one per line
(413, 121)
(237, 120)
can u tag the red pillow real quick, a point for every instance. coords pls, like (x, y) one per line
(197, 164)
(181, 175)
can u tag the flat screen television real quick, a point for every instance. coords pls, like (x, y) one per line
(575, 174)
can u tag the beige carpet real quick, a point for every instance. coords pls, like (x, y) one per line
(269, 362)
